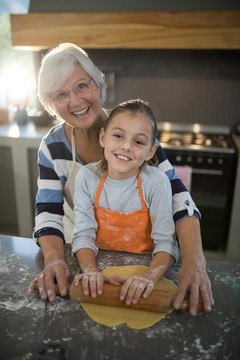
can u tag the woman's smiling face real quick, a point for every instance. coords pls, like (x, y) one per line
(79, 110)
(127, 143)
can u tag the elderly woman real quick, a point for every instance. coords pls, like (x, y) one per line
(72, 89)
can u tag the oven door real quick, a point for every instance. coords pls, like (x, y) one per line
(212, 190)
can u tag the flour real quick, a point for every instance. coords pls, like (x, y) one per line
(122, 259)
(20, 299)
(155, 332)
(207, 354)
(28, 319)
(61, 306)
(228, 279)
(12, 305)
(6, 264)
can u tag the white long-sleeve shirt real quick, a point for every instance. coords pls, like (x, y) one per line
(123, 196)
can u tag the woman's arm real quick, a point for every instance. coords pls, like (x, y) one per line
(48, 230)
(182, 202)
(55, 268)
(49, 200)
(192, 274)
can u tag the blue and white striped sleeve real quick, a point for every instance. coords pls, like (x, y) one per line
(49, 201)
(183, 204)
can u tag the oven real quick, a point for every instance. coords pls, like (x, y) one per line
(210, 153)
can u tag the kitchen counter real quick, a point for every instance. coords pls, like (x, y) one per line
(33, 329)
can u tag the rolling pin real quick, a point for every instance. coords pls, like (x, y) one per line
(158, 301)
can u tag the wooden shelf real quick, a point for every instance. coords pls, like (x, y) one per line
(132, 30)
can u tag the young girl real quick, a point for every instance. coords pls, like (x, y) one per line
(124, 204)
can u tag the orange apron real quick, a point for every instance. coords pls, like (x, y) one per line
(119, 231)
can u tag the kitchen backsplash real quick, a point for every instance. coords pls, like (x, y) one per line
(183, 86)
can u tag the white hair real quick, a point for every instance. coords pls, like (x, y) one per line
(56, 67)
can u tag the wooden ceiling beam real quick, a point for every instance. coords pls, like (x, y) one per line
(128, 30)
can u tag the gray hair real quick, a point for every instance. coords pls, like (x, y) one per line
(57, 65)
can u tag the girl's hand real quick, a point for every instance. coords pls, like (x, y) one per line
(133, 288)
(92, 283)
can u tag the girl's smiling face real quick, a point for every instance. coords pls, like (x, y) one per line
(80, 111)
(127, 143)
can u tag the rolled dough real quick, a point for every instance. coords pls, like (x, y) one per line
(134, 319)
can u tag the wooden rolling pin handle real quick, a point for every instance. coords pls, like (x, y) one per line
(36, 287)
(158, 300)
(186, 306)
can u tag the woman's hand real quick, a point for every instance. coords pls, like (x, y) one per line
(92, 283)
(193, 276)
(133, 288)
(57, 270)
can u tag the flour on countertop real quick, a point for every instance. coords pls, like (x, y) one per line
(33, 321)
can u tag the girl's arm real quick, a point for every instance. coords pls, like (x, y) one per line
(83, 243)
(158, 196)
(92, 279)
(136, 286)
(85, 222)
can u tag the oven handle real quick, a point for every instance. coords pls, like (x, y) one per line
(207, 172)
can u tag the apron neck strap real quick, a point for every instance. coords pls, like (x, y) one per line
(97, 197)
(73, 144)
(144, 207)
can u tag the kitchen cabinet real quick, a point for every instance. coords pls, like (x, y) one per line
(8, 213)
(18, 166)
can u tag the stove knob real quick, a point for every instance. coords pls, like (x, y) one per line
(199, 160)
(189, 159)
(220, 161)
(178, 158)
(210, 160)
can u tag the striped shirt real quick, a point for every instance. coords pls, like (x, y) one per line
(55, 161)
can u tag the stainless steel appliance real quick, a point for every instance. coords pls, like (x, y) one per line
(210, 151)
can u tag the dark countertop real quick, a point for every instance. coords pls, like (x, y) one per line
(33, 330)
